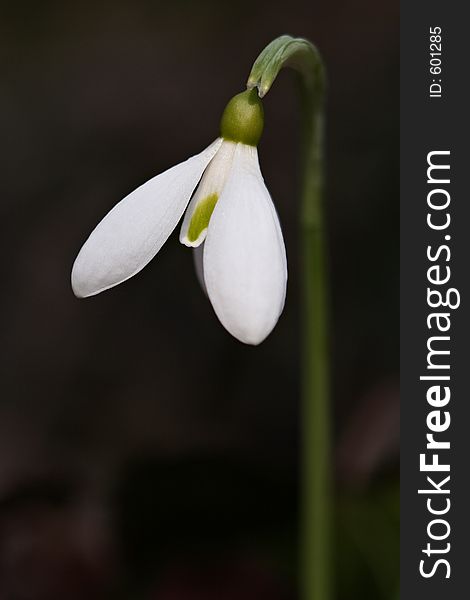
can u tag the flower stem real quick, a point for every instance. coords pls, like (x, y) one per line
(315, 526)
(315, 408)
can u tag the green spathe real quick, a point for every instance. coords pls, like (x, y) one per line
(243, 119)
(201, 217)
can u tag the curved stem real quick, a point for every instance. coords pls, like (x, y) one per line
(315, 526)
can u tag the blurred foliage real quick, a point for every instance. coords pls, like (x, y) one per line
(367, 550)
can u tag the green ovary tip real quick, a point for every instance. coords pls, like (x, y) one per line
(201, 217)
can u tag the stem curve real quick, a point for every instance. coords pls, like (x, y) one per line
(315, 561)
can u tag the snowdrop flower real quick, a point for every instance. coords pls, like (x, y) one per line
(230, 219)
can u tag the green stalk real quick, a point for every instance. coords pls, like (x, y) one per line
(315, 410)
(315, 525)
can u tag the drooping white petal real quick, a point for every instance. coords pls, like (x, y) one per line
(196, 219)
(245, 266)
(132, 233)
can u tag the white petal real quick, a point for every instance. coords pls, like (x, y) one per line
(132, 233)
(193, 231)
(245, 267)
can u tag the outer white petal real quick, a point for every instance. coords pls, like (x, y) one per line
(132, 233)
(212, 183)
(245, 267)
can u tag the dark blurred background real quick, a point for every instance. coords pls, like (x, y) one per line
(144, 453)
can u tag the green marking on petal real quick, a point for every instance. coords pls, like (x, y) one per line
(201, 217)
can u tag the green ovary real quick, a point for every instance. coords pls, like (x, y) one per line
(201, 217)
(243, 119)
